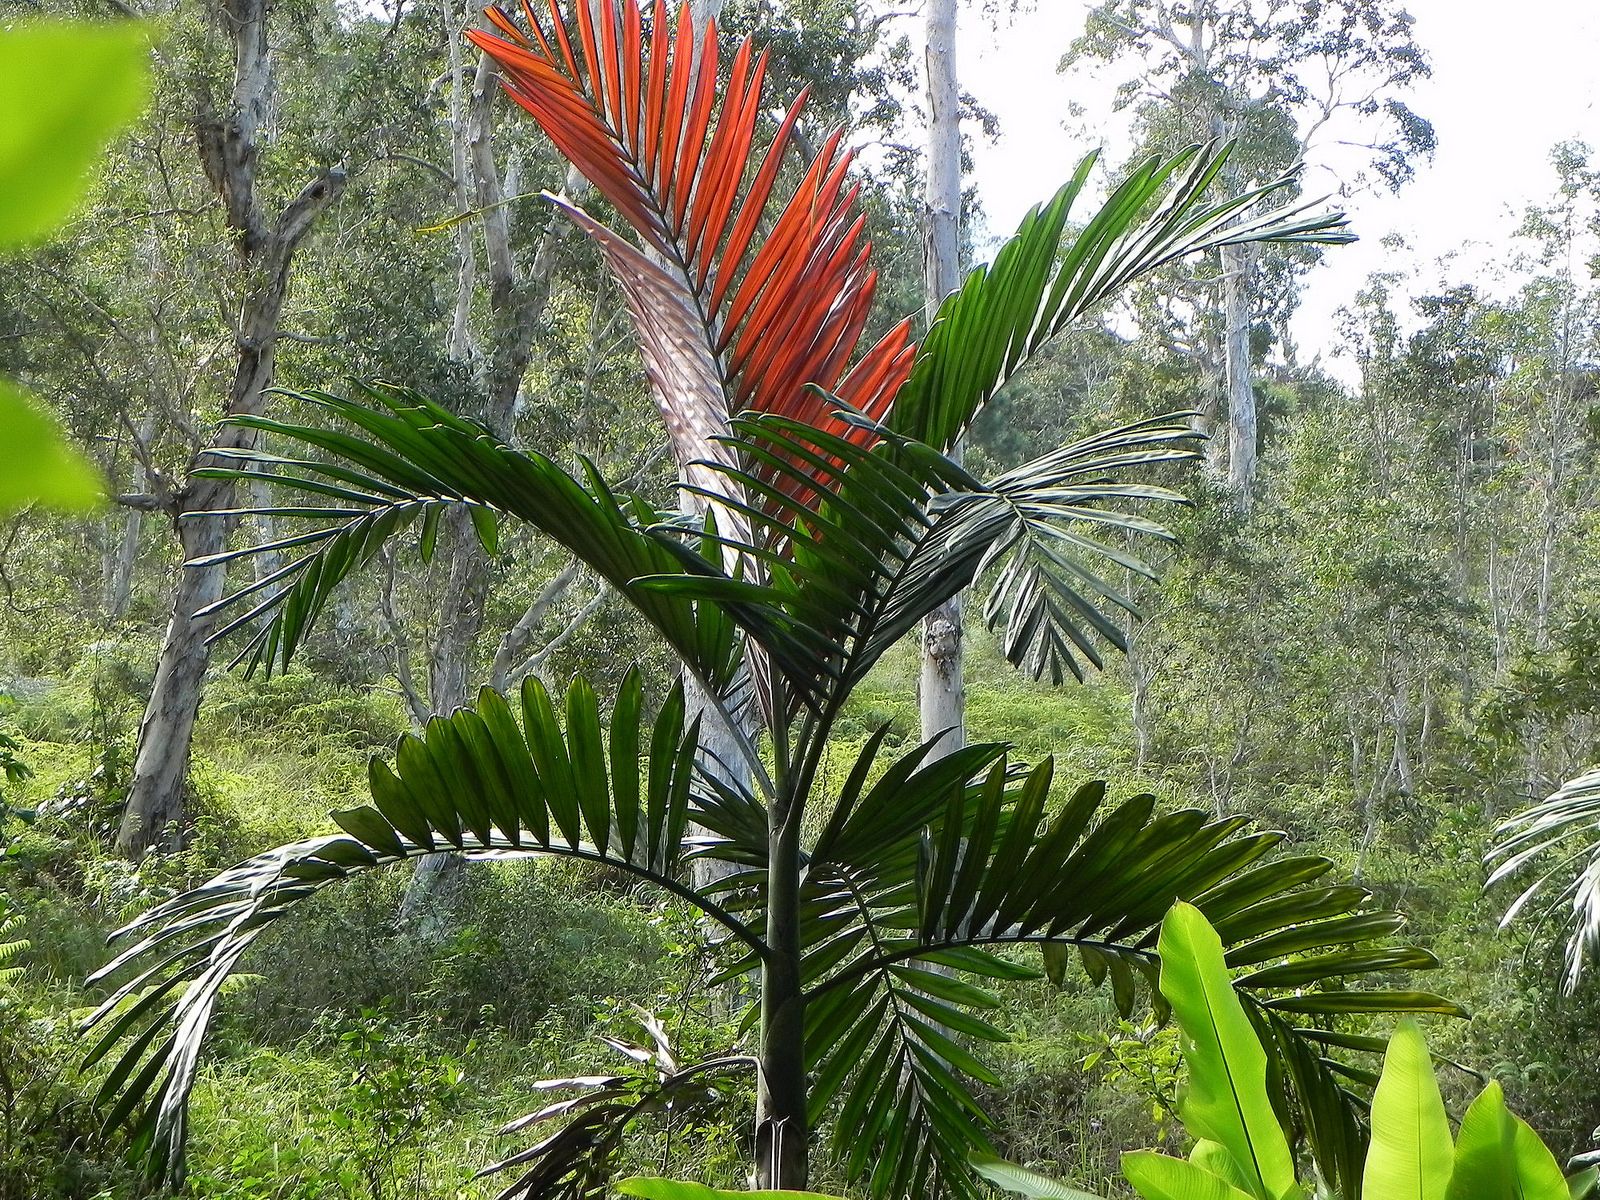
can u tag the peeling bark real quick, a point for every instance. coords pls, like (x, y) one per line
(942, 689)
(266, 246)
(1241, 392)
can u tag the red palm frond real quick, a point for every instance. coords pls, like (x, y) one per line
(773, 292)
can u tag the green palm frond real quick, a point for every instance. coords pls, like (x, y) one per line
(900, 528)
(1045, 278)
(11, 947)
(980, 874)
(408, 460)
(1558, 840)
(620, 792)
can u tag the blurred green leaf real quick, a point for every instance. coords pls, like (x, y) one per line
(65, 89)
(37, 465)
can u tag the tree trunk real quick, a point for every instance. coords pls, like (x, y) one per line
(122, 559)
(154, 813)
(781, 1133)
(119, 579)
(228, 150)
(516, 302)
(1242, 431)
(942, 687)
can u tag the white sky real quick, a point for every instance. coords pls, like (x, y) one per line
(1510, 79)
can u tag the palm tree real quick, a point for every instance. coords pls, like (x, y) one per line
(831, 521)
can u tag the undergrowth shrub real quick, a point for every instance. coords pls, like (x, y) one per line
(309, 712)
(52, 1144)
(530, 937)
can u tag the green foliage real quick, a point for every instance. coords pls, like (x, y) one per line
(477, 978)
(11, 947)
(1242, 1153)
(52, 1147)
(398, 1092)
(65, 90)
(1226, 1101)
(679, 1189)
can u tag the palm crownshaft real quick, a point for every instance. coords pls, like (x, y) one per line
(834, 522)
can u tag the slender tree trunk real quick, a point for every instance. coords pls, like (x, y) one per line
(1238, 388)
(119, 580)
(1141, 673)
(781, 1133)
(229, 148)
(1242, 430)
(1214, 407)
(942, 686)
(516, 301)
(1544, 592)
(124, 555)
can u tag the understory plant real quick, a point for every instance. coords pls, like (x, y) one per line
(1241, 1150)
(824, 518)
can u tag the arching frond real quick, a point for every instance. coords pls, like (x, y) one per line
(620, 792)
(1047, 276)
(400, 461)
(1558, 842)
(939, 865)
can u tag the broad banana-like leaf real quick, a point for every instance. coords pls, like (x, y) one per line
(1499, 1157)
(1012, 1178)
(618, 792)
(1559, 839)
(1411, 1156)
(1162, 1177)
(1226, 1098)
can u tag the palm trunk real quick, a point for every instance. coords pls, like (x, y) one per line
(229, 150)
(781, 1132)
